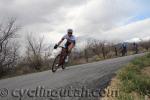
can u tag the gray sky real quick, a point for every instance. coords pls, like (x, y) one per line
(102, 19)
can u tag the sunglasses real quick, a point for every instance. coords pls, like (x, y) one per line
(69, 32)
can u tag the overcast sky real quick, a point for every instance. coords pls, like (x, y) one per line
(102, 19)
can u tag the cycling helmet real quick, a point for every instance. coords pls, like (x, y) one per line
(70, 30)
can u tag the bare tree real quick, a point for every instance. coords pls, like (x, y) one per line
(34, 51)
(117, 49)
(97, 47)
(8, 46)
(109, 49)
(145, 44)
(87, 51)
(86, 54)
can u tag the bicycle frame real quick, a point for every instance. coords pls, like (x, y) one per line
(60, 58)
(63, 55)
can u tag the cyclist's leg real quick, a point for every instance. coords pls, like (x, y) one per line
(70, 47)
(62, 56)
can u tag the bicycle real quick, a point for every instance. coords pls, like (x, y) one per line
(60, 59)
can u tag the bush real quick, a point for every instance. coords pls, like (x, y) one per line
(125, 96)
(132, 79)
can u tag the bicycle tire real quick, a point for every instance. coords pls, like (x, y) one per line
(63, 65)
(54, 68)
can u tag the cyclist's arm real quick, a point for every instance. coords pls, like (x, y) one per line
(60, 41)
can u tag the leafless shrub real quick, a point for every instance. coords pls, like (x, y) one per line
(34, 52)
(97, 47)
(115, 48)
(8, 46)
(109, 49)
(88, 50)
(145, 45)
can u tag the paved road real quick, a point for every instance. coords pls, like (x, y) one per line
(81, 80)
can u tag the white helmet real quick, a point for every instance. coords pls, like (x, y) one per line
(70, 30)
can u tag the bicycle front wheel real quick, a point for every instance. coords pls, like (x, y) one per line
(56, 64)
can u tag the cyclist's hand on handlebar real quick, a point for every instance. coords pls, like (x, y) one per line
(55, 47)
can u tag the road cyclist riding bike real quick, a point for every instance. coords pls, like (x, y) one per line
(66, 50)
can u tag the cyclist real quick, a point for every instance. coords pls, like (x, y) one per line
(124, 49)
(70, 44)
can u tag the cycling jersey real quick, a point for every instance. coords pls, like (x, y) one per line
(72, 39)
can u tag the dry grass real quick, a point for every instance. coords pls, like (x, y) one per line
(146, 71)
(132, 81)
(115, 85)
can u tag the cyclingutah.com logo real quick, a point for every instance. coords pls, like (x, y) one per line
(3, 92)
(41, 91)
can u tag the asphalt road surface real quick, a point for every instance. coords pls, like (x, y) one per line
(80, 82)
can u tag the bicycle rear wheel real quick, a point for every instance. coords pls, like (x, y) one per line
(56, 64)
